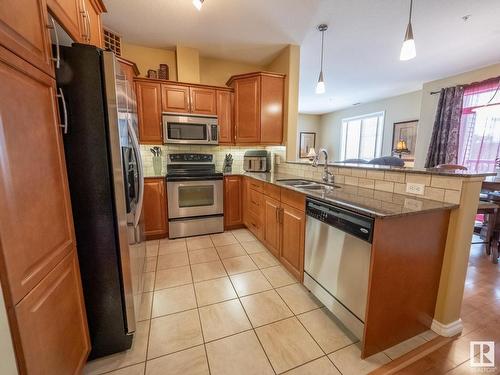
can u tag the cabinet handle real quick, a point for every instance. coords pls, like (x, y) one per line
(89, 31)
(282, 211)
(277, 215)
(57, 59)
(65, 111)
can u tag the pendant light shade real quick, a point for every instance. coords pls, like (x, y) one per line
(320, 86)
(198, 4)
(408, 50)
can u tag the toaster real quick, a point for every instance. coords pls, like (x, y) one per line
(257, 161)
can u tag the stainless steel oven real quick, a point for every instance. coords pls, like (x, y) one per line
(190, 129)
(195, 197)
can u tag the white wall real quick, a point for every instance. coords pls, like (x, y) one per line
(398, 108)
(309, 123)
(430, 102)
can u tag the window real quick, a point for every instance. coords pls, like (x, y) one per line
(362, 136)
(479, 141)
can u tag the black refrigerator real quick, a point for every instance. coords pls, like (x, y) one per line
(99, 120)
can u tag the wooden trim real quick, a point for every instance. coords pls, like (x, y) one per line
(99, 6)
(131, 63)
(254, 74)
(177, 83)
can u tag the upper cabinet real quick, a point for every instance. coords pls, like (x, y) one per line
(149, 101)
(175, 98)
(203, 101)
(91, 25)
(23, 30)
(258, 107)
(225, 116)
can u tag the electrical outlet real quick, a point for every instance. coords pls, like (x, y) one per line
(415, 188)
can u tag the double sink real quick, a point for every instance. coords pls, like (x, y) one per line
(308, 185)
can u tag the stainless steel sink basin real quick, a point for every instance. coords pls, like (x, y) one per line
(293, 182)
(308, 185)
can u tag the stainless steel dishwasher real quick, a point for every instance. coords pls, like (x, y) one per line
(337, 260)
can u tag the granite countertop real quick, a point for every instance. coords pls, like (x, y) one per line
(374, 203)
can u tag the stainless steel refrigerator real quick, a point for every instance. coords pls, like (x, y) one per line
(106, 183)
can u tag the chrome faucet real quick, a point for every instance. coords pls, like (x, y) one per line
(327, 175)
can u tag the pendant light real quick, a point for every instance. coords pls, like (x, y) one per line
(408, 50)
(320, 87)
(198, 4)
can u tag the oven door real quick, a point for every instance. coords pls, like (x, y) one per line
(190, 129)
(195, 197)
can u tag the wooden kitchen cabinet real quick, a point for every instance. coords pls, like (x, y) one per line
(175, 98)
(90, 22)
(155, 208)
(149, 112)
(225, 116)
(271, 225)
(23, 30)
(291, 252)
(233, 208)
(258, 107)
(69, 14)
(203, 101)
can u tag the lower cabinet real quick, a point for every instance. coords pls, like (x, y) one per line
(271, 225)
(233, 202)
(155, 208)
(52, 323)
(292, 240)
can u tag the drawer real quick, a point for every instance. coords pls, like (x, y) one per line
(254, 184)
(254, 224)
(254, 201)
(272, 191)
(294, 199)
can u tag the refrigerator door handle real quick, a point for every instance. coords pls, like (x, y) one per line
(65, 111)
(135, 145)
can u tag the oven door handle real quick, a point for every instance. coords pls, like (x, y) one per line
(197, 178)
(135, 146)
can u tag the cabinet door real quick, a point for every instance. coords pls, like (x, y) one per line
(292, 240)
(91, 25)
(149, 112)
(203, 101)
(23, 30)
(232, 201)
(36, 222)
(52, 323)
(247, 110)
(271, 225)
(225, 116)
(155, 208)
(175, 98)
(69, 14)
(271, 118)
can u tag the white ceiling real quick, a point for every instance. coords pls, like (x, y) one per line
(362, 43)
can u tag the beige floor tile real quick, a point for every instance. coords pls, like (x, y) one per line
(250, 282)
(231, 251)
(222, 239)
(172, 260)
(348, 361)
(136, 354)
(243, 235)
(253, 247)
(200, 242)
(240, 354)
(239, 264)
(173, 277)
(325, 330)
(131, 370)
(264, 260)
(150, 264)
(172, 300)
(320, 366)
(172, 246)
(203, 255)
(149, 282)
(266, 307)
(174, 332)
(298, 298)
(223, 319)
(187, 362)
(288, 344)
(207, 271)
(214, 291)
(404, 347)
(152, 248)
(278, 276)
(145, 309)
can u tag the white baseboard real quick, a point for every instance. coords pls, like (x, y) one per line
(447, 330)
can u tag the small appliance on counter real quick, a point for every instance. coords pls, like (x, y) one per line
(257, 161)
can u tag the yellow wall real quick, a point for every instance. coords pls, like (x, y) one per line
(288, 62)
(150, 58)
(216, 72)
(188, 64)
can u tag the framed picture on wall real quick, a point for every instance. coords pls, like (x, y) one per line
(307, 141)
(405, 131)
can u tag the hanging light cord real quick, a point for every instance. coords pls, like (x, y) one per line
(411, 8)
(322, 42)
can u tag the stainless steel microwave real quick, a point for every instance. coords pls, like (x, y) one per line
(190, 129)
